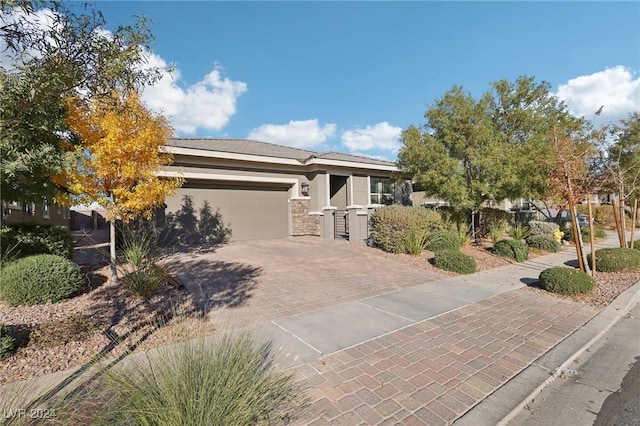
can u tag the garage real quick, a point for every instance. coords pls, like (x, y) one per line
(251, 212)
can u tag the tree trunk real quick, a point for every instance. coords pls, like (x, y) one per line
(112, 251)
(593, 242)
(623, 222)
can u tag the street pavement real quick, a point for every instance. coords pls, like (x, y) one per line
(578, 395)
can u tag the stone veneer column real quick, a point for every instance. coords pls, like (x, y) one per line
(303, 222)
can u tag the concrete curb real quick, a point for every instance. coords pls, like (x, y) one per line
(509, 400)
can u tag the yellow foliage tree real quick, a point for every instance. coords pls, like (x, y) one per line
(116, 157)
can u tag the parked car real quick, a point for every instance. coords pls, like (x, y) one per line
(583, 219)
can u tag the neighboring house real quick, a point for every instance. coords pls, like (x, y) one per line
(261, 190)
(42, 212)
(88, 219)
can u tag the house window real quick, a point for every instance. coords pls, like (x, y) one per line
(45, 208)
(382, 191)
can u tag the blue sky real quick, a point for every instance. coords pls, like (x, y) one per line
(348, 76)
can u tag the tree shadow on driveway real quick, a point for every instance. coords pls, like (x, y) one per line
(216, 284)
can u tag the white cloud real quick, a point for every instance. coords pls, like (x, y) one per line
(207, 104)
(297, 133)
(617, 89)
(380, 136)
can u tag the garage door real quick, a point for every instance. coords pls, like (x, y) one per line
(252, 213)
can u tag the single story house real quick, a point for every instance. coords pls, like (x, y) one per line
(260, 190)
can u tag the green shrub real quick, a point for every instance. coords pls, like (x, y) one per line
(463, 231)
(599, 233)
(513, 249)
(138, 245)
(231, 381)
(636, 244)
(616, 259)
(443, 240)
(145, 281)
(456, 261)
(40, 279)
(28, 239)
(415, 241)
(488, 216)
(544, 242)
(602, 215)
(497, 230)
(564, 280)
(390, 224)
(7, 342)
(519, 232)
(537, 227)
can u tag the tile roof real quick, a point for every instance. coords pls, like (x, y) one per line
(243, 146)
(250, 147)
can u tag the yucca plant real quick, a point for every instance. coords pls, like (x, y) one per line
(415, 241)
(497, 229)
(519, 232)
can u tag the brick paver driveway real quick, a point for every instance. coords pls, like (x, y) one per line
(257, 281)
(448, 342)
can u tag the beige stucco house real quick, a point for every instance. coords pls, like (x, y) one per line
(263, 191)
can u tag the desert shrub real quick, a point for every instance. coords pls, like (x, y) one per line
(138, 245)
(599, 233)
(544, 242)
(28, 239)
(463, 231)
(456, 261)
(488, 216)
(616, 259)
(513, 249)
(519, 232)
(602, 215)
(233, 381)
(415, 241)
(7, 342)
(497, 230)
(443, 240)
(565, 280)
(390, 224)
(144, 281)
(538, 227)
(40, 279)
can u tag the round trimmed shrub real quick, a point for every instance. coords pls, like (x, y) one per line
(544, 242)
(456, 261)
(443, 241)
(40, 279)
(513, 249)
(565, 280)
(616, 259)
(7, 342)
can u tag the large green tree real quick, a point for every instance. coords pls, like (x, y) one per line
(50, 52)
(495, 147)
